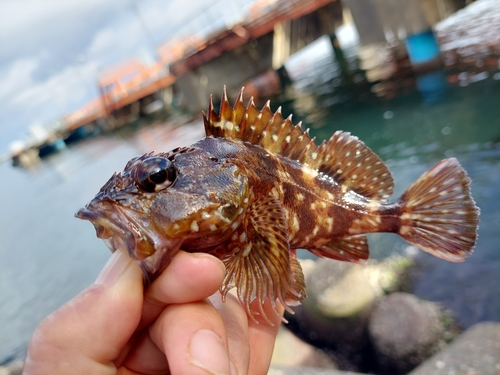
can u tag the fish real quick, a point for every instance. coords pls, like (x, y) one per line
(257, 187)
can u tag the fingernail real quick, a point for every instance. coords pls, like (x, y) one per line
(207, 351)
(114, 268)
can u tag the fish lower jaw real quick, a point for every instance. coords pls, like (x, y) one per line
(153, 258)
(155, 264)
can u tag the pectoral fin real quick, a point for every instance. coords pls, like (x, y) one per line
(259, 262)
(298, 290)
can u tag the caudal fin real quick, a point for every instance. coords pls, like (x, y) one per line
(439, 215)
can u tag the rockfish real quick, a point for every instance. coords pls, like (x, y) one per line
(257, 188)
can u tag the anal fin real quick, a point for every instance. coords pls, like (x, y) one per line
(349, 249)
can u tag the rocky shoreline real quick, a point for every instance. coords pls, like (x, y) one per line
(475, 352)
(364, 320)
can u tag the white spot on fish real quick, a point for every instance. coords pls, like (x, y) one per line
(213, 227)
(243, 237)
(295, 224)
(310, 172)
(404, 229)
(194, 226)
(247, 250)
(329, 221)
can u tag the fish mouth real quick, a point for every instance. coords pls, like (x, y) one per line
(120, 227)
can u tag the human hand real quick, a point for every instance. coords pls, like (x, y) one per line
(178, 325)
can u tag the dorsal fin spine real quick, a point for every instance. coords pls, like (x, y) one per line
(305, 156)
(239, 112)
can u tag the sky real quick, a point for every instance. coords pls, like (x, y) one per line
(53, 50)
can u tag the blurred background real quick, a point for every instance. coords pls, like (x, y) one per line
(86, 85)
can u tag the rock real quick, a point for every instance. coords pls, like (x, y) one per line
(405, 331)
(290, 351)
(476, 352)
(15, 368)
(339, 301)
(280, 370)
(341, 296)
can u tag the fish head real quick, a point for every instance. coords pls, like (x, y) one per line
(163, 202)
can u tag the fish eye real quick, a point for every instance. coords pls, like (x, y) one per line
(155, 174)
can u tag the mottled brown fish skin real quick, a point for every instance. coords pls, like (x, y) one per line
(258, 187)
(309, 198)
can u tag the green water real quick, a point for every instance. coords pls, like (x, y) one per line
(423, 122)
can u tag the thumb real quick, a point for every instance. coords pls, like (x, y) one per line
(86, 334)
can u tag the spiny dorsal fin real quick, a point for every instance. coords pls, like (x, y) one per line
(265, 128)
(344, 157)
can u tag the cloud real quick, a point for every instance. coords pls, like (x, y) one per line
(61, 90)
(17, 77)
(60, 27)
(42, 77)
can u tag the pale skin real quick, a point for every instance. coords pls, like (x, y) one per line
(115, 327)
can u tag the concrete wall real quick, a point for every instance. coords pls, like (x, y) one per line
(230, 69)
(290, 37)
(380, 20)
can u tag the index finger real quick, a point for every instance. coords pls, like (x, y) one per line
(190, 277)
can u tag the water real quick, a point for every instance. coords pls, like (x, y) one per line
(48, 256)
(419, 126)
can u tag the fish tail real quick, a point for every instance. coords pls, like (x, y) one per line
(439, 215)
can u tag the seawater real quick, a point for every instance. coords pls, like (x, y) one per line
(47, 256)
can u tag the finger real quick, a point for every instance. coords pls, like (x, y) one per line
(262, 336)
(193, 339)
(189, 277)
(88, 332)
(236, 326)
(251, 343)
(146, 357)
